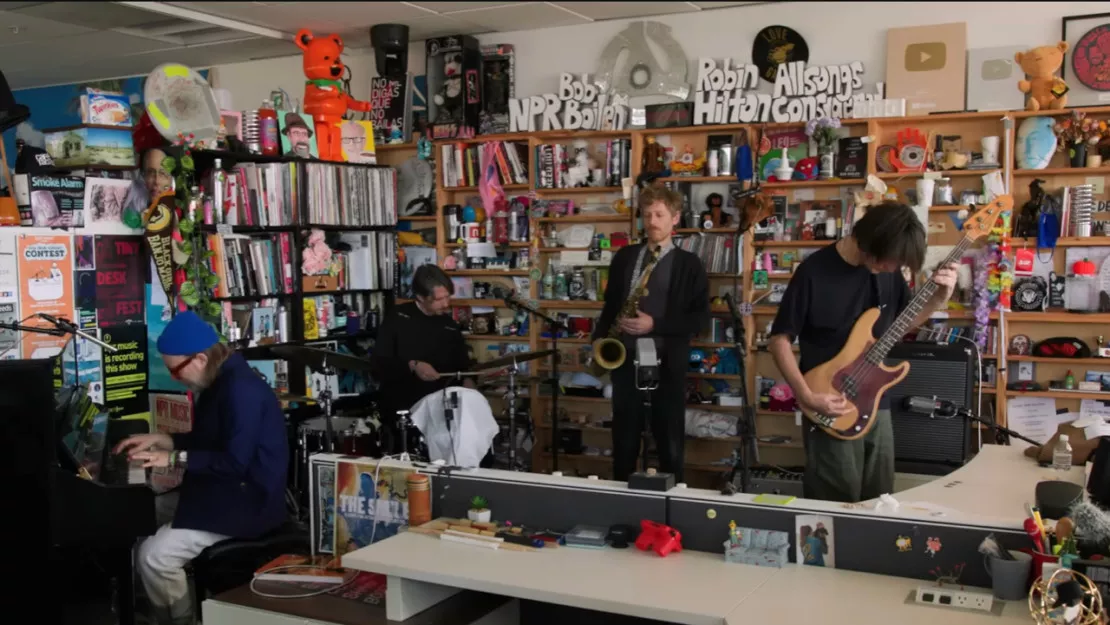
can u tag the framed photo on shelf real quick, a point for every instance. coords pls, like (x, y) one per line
(1086, 64)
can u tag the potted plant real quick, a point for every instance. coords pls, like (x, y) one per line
(1076, 134)
(479, 511)
(824, 133)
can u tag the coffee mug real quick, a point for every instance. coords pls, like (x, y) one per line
(1009, 578)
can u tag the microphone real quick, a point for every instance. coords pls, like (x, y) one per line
(61, 323)
(929, 406)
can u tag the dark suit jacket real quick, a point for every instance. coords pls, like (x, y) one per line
(687, 312)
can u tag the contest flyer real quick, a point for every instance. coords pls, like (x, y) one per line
(9, 297)
(45, 265)
(366, 512)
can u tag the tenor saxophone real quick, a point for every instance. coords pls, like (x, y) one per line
(609, 352)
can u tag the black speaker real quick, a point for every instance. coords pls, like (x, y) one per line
(11, 112)
(932, 446)
(391, 49)
(1098, 484)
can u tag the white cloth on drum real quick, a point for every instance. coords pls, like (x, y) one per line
(472, 430)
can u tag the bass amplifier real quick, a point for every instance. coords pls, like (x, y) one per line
(922, 444)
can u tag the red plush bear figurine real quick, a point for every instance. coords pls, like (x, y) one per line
(324, 97)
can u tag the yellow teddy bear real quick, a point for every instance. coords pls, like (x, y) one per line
(1046, 90)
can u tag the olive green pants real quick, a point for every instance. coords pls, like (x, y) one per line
(850, 471)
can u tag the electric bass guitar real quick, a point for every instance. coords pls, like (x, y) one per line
(858, 372)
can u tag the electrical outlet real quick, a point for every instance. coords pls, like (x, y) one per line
(950, 597)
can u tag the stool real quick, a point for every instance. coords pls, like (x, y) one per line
(231, 563)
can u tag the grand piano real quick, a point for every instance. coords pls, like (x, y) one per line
(72, 518)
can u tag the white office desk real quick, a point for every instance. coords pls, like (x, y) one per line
(808, 594)
(990, 491)
(690, 587)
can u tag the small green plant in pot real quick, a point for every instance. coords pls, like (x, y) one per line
(479, 510)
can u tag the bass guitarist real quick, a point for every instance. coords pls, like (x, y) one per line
(826, 295)
(674, 309)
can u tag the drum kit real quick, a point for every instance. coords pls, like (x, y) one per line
(367, 436)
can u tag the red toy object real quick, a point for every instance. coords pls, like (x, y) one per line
(324, 96)
(659, 538)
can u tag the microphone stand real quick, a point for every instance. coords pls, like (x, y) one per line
(555, 325)
(745, 424)
(965, 413)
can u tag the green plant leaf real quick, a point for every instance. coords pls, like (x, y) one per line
(188, 288)
(187, 247)
(190, 272)
(187, 163)
(190, 299)
(211, 280)
(206, 255)
(187, 227)
(169, 163)
(213, 309)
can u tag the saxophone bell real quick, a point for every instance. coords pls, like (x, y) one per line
(608, 354)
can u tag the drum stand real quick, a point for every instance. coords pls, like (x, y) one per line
(404, 422)
(325, 400)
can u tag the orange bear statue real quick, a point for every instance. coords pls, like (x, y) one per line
(324, 97)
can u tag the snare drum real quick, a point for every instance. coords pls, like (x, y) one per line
(313, 437)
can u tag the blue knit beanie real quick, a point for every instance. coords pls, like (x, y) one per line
(185, 335)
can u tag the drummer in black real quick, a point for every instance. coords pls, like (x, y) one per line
(416, 343)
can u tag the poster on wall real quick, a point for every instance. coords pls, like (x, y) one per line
(9, 297)
(366, 512)
(45, 265)
(157, 314)
(992, 78)
(927, 66)
(125, 372)
(119, 280)
(172, 414)
(1087, 62)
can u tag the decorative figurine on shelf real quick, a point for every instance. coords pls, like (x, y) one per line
(396, 136)
(687, 164)
(578, 174)
(325, 96)
(424, 148)
(316, 258)
(1046, 90)
(651, 162)
(715, 217)
(449, 98)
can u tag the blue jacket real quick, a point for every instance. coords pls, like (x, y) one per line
(238, 455)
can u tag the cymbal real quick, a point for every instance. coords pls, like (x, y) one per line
(465, 374)
(509, 359)
(318, 359)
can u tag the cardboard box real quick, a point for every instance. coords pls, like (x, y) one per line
(454, 74)
(90, 146)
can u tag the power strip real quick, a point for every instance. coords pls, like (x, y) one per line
(952, 598)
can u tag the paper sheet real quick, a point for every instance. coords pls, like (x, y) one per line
(1035, 417)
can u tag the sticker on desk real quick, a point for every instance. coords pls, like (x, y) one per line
(904, 544)
(816, 545)
(711, 513)
(932, 546)
(774, 500)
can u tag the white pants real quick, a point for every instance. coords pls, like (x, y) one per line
(161, 559)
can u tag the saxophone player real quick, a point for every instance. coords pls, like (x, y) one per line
(672, 308)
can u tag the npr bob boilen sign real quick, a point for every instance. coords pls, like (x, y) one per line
(579, 105)
(723, 93)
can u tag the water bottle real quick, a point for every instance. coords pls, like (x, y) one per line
(1061, 456)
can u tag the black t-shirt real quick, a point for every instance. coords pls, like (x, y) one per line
(409, 334)
(826, 296)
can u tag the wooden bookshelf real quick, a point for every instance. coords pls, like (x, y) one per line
(703, 460)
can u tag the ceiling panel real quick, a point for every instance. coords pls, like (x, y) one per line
(451, 7)
(618, 10)
(96, 15)
(352, 13)
(720, 5)
(33, 28)
(78, 47)
(525, 16)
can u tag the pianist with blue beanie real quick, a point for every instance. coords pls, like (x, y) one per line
(235, 461)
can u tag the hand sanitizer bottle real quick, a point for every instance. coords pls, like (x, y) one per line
(1061, 456)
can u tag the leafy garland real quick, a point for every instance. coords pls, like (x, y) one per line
(200, 280)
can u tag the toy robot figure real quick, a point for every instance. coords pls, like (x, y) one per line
(324, 96)
(449, 100)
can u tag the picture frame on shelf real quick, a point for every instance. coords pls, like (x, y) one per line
(1081, 32)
